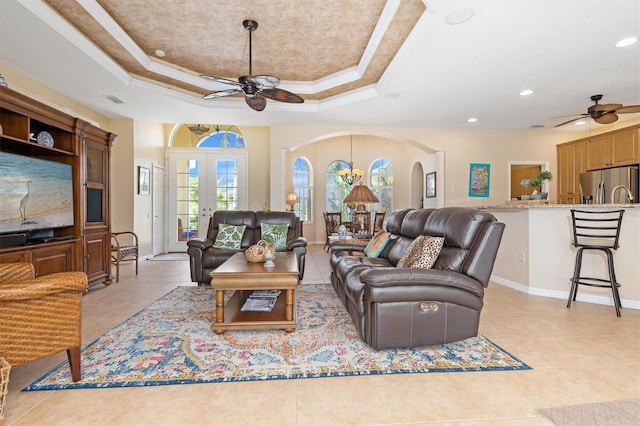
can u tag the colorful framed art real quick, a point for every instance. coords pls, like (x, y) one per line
(479, 179)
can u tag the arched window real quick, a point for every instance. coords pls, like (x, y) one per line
(302, 186)
(337, 189)
(381, 183)
(223, 140)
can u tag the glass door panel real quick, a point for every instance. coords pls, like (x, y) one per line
(199, 184)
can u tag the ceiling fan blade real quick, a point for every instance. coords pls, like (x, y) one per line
(607, 119)
(570, 115)
(605, 107)
(221, 80)
(222, 93)
(571, 121)
(282, 96)
(261, 81)
(256, 102)
(628, 109)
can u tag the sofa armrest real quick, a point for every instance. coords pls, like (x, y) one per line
(296, 242)
(399, 277)
(200, 243)
(346, 245)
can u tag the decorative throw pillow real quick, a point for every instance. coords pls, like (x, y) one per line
(229, 236)
(431, 247)
(414, 249)
(377, 244)
(275, 234)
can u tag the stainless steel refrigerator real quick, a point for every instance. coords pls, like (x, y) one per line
(618, 185)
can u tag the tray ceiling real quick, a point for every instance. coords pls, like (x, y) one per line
(318, 49)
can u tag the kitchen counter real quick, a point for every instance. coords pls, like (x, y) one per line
(536, 255)
(514, 205)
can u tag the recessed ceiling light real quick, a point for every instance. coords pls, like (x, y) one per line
(580, 123)
(160, 53)
(526, 92)
(627, 42)
(472, 120)
(459, 16)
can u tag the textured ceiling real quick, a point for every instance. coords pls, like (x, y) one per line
(299, 42)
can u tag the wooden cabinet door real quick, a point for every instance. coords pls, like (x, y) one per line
(565, 170)
(16, 256)
(599, 152)
(53, 258)
(571, 162)
(624, 148)
(97, 266)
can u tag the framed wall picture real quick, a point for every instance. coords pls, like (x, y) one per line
(479, 179)
(144, 179)
(430, 185)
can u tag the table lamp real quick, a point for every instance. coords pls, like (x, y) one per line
(292, 199)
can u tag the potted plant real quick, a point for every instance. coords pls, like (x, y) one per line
(544, 175)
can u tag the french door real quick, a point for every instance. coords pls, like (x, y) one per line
(199, 184)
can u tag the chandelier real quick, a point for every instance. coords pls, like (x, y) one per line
(351, 175)
(199, 129)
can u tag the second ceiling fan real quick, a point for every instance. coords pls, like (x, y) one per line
(256, 88)
(603, 113)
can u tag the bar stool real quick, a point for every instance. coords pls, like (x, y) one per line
(596, 230)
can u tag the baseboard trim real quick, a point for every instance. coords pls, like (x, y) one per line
(558, 294)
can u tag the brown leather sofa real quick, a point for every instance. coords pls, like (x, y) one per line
(204, 258)
(408, 307)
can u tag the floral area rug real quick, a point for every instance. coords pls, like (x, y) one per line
(170, 342)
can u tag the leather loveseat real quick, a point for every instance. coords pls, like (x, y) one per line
(204, 257)
(394, 307)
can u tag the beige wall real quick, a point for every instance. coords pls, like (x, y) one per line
(270, 149)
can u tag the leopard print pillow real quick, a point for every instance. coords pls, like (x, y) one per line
(430, 250)
(412, 252)
(422, 253)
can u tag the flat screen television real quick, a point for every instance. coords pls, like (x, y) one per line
(35, 194)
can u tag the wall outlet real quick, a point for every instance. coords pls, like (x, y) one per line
(522, 257)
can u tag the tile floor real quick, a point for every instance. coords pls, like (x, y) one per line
(579, 355)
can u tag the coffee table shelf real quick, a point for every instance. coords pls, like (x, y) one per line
(236, 319)
(244, 277)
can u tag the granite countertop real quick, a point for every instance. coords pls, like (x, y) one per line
(558, 206)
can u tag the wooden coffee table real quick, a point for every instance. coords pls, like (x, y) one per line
(244, 277)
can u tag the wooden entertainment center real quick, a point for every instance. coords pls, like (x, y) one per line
(86, 245)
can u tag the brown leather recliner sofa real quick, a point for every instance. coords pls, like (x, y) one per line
(407, 307)
(204, 258)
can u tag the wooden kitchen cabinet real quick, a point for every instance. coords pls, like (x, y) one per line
(571, 162)
(613, 149)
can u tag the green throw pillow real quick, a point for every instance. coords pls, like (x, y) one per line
(229, 236)
(275, 234)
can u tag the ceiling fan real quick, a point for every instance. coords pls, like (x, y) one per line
(256, 88)
(602, 113)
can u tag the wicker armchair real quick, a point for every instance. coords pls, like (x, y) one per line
(40, 316)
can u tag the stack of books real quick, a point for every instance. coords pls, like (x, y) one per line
(261, 300)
